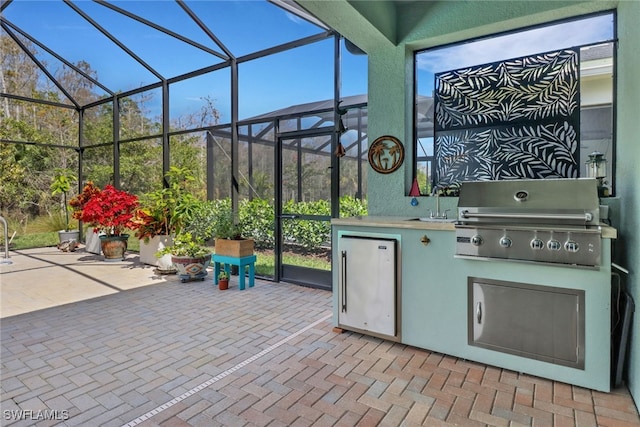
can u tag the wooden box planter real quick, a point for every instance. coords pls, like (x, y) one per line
(234, 248)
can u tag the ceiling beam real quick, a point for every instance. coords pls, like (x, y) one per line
(367, 24)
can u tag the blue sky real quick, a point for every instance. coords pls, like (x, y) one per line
(243, 26)
(514, 45)
(296, 76)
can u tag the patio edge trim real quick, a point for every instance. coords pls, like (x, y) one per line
(222, 375)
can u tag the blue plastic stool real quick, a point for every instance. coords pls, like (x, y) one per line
(242, 262)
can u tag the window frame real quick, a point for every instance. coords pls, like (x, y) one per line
(429, 159)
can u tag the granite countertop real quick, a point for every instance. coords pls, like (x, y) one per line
(415, 223)
(397, 222)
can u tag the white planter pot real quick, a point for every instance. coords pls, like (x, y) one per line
(93, 242)
(148, 252)
(69, 235)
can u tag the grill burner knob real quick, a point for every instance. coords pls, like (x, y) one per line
(537, 244)
(476, 240)
(554, 245)
(505, 242)
(571, 246)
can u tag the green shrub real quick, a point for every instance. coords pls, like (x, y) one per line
(306, 233)
(350, 206)
(201, 222)
(257, 221)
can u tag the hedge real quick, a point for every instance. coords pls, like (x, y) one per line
(257, 220)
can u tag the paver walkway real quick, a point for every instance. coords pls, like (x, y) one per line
(173, 354)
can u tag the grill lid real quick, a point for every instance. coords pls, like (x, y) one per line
(539, 201)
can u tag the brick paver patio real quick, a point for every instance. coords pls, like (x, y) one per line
(173, 354)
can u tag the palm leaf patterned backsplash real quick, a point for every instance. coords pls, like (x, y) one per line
(513, 119)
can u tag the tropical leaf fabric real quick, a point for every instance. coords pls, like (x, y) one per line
(513, 119)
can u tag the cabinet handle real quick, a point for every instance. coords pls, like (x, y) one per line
(479, 312)
(344, 281)
(425, 240)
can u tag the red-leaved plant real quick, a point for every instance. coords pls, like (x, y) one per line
(110, 211)
(79, 201)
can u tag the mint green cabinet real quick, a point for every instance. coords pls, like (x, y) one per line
(433, 291)
(434, 300)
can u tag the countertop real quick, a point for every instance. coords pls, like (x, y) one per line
(396, 222)
(415, 223)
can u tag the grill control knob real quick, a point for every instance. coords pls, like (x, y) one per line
(505, 242)
(571, 246)
(537, 244)
(554, 245)
(476, 240)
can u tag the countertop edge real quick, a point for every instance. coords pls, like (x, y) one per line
(413, 223)
(395, 222)
(608, 232)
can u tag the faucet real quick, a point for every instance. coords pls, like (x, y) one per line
(438, 214)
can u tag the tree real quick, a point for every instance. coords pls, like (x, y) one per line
(44, 138)
(61, 185)
(18, 76)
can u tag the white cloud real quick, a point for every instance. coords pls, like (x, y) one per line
(294, 18)
(538, 40)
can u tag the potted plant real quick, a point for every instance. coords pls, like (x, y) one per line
(111, 212)
(228, 234)
(189, 257)
(154, 236)
(61, 184)
(223, 280)
(77, 203)
(161, 215)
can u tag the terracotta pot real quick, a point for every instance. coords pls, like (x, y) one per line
(191, 268)
(114, 247)
(223, 284)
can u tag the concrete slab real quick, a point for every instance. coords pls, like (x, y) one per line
(46, 277)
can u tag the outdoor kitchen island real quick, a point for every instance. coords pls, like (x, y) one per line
(435, 307)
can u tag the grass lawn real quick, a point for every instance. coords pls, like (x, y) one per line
(265, 264)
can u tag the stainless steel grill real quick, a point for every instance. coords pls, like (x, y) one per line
(551, 221)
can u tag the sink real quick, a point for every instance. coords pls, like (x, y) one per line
(427, 219)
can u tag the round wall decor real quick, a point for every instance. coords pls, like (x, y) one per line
(386, 154)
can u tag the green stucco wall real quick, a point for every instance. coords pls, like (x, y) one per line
(628, 169)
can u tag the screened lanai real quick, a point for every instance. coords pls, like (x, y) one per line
(258, 99)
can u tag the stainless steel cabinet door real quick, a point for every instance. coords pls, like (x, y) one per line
(367, 291)
(538, 322)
